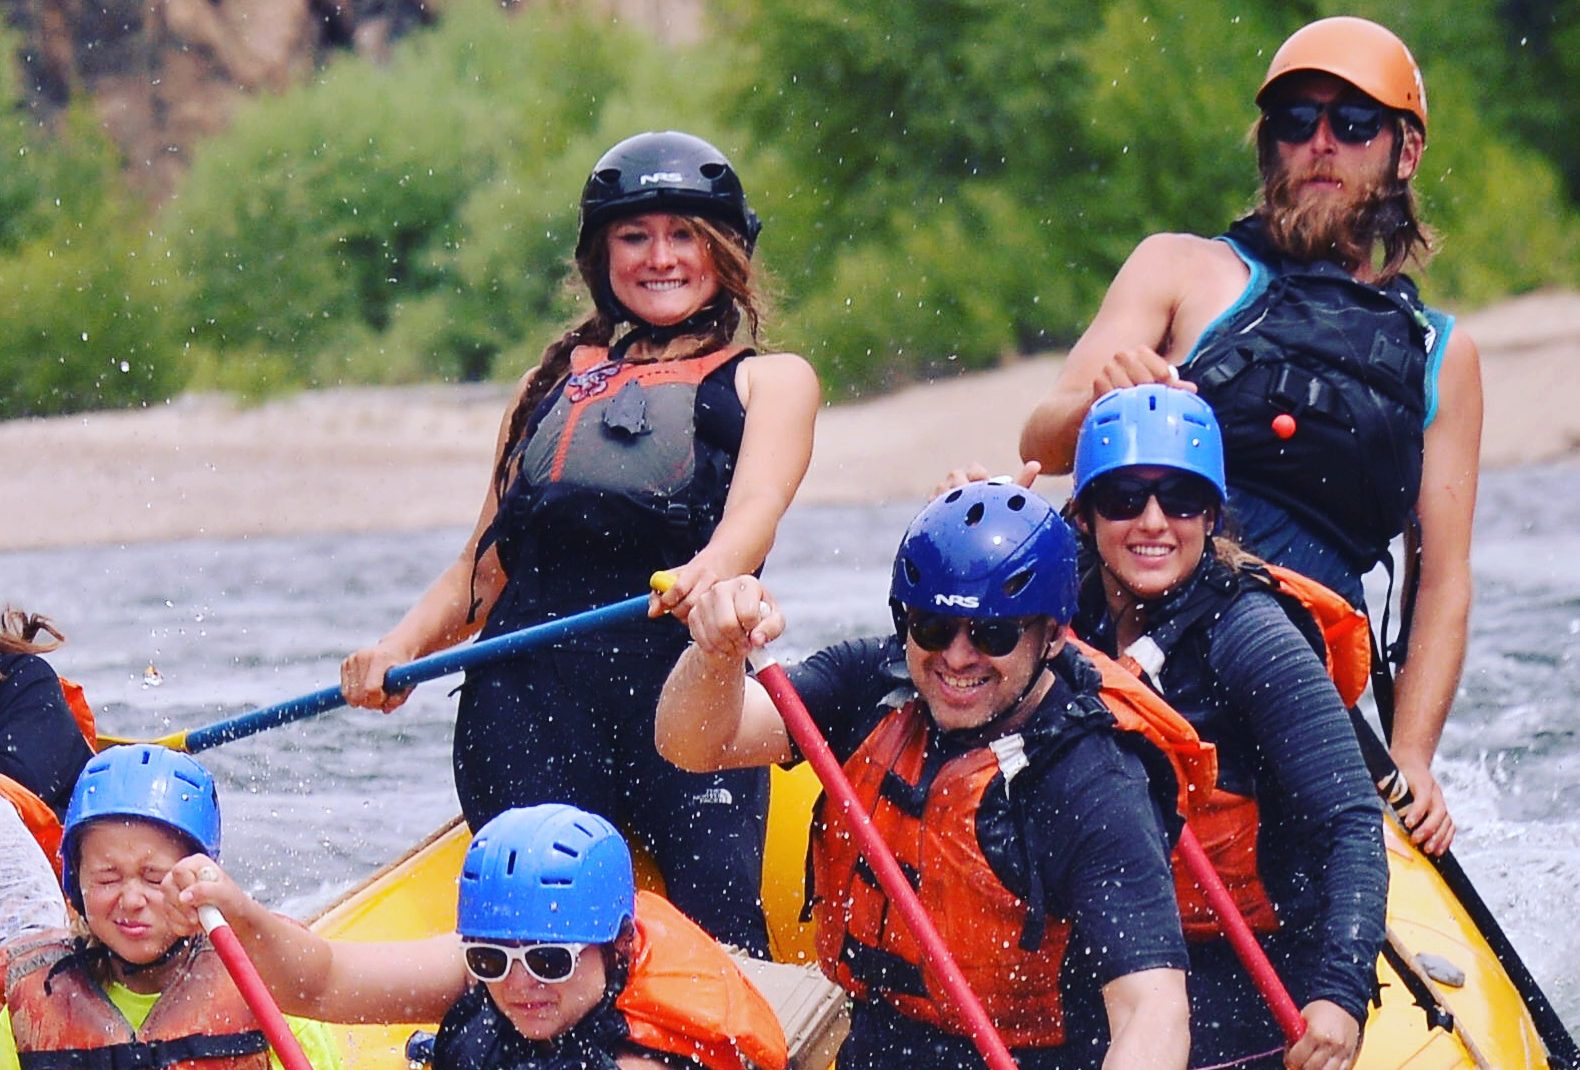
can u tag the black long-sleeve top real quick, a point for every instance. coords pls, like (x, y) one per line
(1250, 682)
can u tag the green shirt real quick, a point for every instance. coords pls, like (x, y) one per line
(317, 1043)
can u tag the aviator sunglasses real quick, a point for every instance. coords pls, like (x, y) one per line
(1353, 122)
(993, 636)
(1180, 496)
(550, 963)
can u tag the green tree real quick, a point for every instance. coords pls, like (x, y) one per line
(962, 181)
(909, 141)
(414, 221)
(1517, 63)
(83, 325)
(84, 320)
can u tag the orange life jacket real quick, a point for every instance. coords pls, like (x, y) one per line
(81, 712)
(1346, 633)
(61, 1017)
(867, 949)
(1137, 708)
(1226, 822)
(686, 996)
(1226, 826)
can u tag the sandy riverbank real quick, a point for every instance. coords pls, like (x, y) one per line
(418, 457)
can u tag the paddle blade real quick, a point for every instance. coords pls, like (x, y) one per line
(174, 741)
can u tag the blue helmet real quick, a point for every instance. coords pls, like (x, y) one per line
(549, 873)
(987, 550)
(1150, 425)
(147, 782)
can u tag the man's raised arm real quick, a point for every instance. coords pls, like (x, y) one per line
(1121, 347)
(710, 715)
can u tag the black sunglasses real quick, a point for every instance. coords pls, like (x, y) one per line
(550, 963)
(993, 636)
(1353, 122)
(1120, 497)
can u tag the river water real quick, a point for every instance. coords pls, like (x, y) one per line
(180, 634)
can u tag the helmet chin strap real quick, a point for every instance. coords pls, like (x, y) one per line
(656, 334)
(126, 967)
(1137, 600)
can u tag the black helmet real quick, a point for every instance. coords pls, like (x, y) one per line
(665, 172)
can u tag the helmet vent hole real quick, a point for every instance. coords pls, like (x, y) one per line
(1152, 403)
(954, 495)
(609, 176)
(1017, 503)
(913, 575)
(1017, 583)
(711, 171)
(510, 865)
(974, 514)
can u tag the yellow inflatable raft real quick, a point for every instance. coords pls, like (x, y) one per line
(1447, 1003)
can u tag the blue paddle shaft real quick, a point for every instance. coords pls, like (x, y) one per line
(412, 673)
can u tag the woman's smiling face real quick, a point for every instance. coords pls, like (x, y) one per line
(660, 267)
(1150, 554)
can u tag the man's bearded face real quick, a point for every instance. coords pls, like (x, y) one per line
(1332, 207)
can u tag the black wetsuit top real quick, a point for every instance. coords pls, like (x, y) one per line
(41, 746)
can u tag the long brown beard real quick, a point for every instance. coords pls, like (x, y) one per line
(1344, 227)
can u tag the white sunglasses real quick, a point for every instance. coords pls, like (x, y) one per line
(550, 963)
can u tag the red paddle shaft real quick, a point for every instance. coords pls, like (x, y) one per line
(245, 974)
(807, 737)
(1251, 955)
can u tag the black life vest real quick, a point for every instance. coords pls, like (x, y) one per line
(1348, 361)
(475, 1033)
(619, 440)
(612, 480)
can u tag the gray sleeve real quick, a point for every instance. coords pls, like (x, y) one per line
(29, 897)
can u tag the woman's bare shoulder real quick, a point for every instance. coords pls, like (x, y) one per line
(787, 375)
